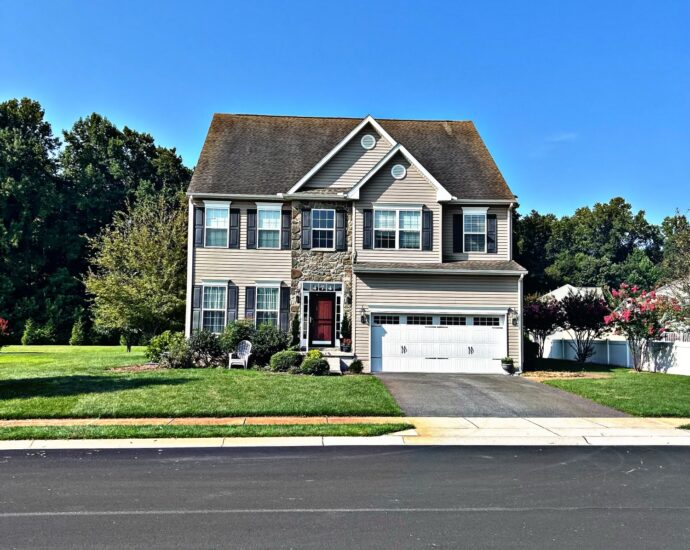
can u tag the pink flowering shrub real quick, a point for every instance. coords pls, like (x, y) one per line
(541, 318)
(641, 317)
(4, 330)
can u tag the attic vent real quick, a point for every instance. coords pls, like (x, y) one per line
(368, 141)
(398, 171)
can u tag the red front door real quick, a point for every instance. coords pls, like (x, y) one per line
(322, 329)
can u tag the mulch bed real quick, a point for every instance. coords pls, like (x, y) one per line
(137, 368)
(540, 376)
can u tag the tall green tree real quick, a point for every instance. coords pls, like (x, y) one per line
(676, 261)
(138, 270)
(532, 236)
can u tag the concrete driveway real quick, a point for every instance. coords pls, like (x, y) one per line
(485, 395)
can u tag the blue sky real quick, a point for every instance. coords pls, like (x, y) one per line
(578, 101)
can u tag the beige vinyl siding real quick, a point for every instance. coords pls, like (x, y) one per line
(429, 291)
(414, 188)
(502, 228)
(243, 267)
(351, 163)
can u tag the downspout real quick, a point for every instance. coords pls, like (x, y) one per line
(520, 335)
(190, 269)
(353, 305)
(510, 230)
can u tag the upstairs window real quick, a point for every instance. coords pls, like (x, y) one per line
(216, 225)
(267, 299)
(213, 308)
(397, 229)
(323, 229)
(474, 229)
(268, 226)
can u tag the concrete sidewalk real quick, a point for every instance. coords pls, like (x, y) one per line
(428, 431)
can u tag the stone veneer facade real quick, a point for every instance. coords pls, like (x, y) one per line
(309, 265)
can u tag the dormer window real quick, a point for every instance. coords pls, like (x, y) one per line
(474, 229)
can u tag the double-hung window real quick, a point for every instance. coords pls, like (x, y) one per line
(216, 224)
(268, 225)
(267, 299)
(213, 308)
(474, 229)
(398, 228)
(323, 229)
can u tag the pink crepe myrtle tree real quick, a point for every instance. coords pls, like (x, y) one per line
(641, 317)
(541, 318)
(583, 316)
(4, 330)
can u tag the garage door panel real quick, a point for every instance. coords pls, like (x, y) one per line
(417, 348)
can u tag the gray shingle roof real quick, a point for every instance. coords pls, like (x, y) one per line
(257, 154)
(445, 267)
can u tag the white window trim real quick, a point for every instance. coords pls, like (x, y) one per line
(476, 211)
(267, 284)
(397, 208)
(214, 284)
(267, 207)
(332, 230)
(217, 205)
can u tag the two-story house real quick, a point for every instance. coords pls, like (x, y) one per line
(403, 224)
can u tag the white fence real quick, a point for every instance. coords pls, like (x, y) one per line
(672, 356)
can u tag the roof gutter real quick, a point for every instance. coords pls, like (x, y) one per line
(480, 201)
(416, 270)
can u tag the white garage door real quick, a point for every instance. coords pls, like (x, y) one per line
(433, 348)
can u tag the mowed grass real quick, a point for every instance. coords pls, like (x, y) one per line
(635, 393)
(136, 432)
(78, 382)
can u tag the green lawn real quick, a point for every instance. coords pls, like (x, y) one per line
(77, 382)
(133, 432)
(636, 393)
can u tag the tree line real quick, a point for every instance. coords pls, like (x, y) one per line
(93, 239)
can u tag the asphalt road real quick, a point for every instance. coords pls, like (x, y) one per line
(324, 498)
(423, 394)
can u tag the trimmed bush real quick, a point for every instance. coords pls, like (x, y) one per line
(160, 344)
(234, 333)
(205, 349)
(78, 335)
(36, 335)
(178, 354)
(314, 354)
(315, 367)
(356, 367)
(268, 340)
(286, 361)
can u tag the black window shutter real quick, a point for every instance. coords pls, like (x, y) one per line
(306, 229)
(284, 308)
(232, 303)
(286, 229)
(341, 230)
(196, 308)
(251, 228)
(198, 226)
(234, 237)
(427, 229)
(491, 245)
(368, 236)
(457, 233)
(249, 302)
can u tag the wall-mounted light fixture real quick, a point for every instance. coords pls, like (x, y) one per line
(513, 316)
(363, 316)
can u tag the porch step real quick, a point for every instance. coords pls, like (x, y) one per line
(340, 362)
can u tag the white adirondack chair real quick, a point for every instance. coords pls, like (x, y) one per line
(241, 355)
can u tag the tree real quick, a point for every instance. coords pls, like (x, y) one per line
(541, 318)
(138, 270)
(676, 260)
(532, 235)
(78, 335)
(642, 317)
(583, 315)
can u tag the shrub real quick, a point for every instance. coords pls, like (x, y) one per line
(158, 345)
(205, 349)
(286, 361)
(316, 367)
(294, 331)
(234, 333)
(35, 334)
(345, 328)
(314, 354)
(4, 330)
(356, 367)
(268, 340)
(78, 335)
(178, 355)
(541, 318)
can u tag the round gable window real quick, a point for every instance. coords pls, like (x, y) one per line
(368, 141)
(398, 171)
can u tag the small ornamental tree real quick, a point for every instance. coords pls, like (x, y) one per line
(541, 318)
(4, 330)
(641, 317)
(583, 315)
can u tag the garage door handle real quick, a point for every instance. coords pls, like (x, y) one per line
(403, 349)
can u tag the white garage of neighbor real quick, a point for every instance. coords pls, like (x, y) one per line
(446, 343)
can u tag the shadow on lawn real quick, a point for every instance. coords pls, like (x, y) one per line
(63, 386)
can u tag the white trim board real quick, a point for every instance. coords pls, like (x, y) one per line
(367, 120)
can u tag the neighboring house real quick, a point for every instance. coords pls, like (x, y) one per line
(405, 225)
(562, 291)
